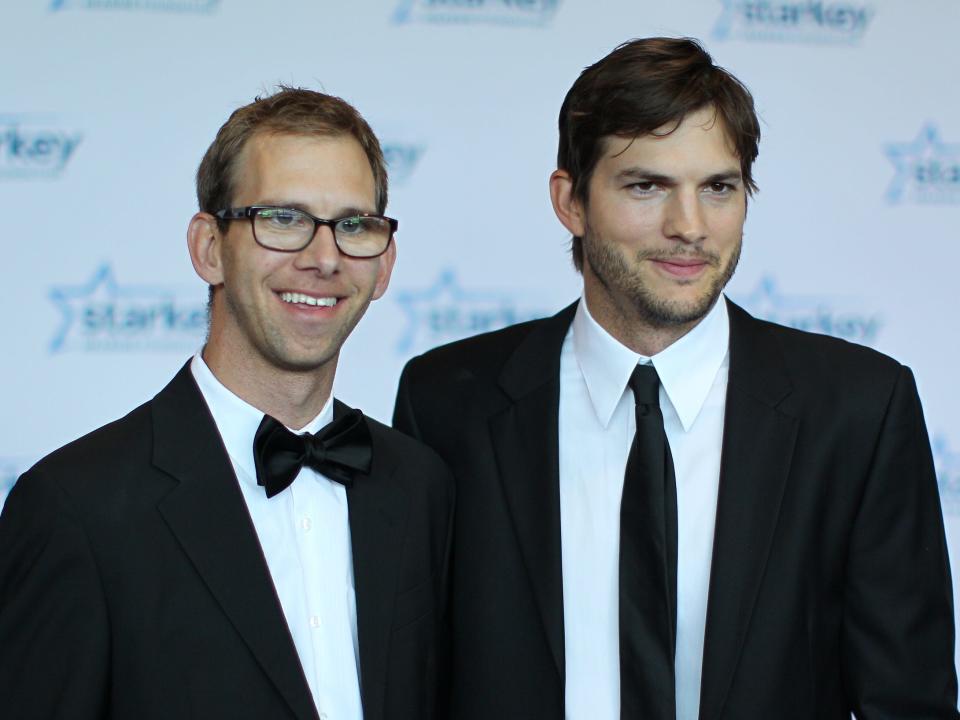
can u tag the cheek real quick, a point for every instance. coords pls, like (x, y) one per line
(623, 219)
(727, 226)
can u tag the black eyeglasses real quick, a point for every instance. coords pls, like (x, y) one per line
(362, 235)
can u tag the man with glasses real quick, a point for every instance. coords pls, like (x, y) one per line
(243, 545)
(667, 509)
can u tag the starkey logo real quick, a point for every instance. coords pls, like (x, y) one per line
(810, 21)
(99, 314)
(946, 462)
(840, 317)
(927, 169)
(35, 146)
(183, 6)
(445, 310)
(535, 13)
(402, 159)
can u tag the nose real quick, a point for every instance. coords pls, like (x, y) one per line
(321, 255)
(684, 219)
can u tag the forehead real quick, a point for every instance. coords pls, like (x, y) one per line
(699, 140)
(274, 167)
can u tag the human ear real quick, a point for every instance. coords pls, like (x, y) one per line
(387, 261)
(205, 242)
(566, 205)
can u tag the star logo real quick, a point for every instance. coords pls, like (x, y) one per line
(827, 316)
(927, 169)
(402, 160)
(445, 311)
(101, 315)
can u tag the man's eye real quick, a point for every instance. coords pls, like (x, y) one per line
(350, 226)
(643, 188)
(279, 217)
(721, 188)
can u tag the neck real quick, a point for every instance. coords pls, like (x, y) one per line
(629, 327)
(294, 397)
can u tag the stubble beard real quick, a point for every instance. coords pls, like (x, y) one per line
(620, 280)
(273, 346)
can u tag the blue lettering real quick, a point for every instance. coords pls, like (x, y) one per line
(42, 149)
(932, 172)
(844, 18)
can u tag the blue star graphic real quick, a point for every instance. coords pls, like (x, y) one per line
(65, 296)
(445, 290)
(402, 13)
(402, 159)
(724, 24)
(103, 286)
(926, 151)
(767, 301)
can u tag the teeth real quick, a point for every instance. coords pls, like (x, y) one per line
(302, 299)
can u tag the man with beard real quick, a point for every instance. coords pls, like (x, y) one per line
(243, 545)
(667, 508)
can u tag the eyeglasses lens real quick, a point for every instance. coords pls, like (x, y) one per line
(290, 229)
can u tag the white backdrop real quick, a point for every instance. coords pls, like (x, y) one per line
(106, 107)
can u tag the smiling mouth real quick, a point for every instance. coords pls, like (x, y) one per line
(302, 299)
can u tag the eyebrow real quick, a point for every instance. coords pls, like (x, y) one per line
(340, 213)
(639, 173)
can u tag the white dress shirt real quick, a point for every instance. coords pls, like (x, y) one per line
(596, 426)
(305, 535)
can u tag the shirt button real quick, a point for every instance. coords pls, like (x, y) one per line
(314, 621)
(306, 524)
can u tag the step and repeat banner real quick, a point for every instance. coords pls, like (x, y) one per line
(106, 107)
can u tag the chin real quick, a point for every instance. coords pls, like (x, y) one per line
(301, 362)
(664, 312)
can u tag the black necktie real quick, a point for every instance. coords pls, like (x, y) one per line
(338, 450)
(648, 563)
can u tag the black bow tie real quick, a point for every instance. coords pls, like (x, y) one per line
(338, 450)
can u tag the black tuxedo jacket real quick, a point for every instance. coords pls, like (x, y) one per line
(132, 583)
(830, 590)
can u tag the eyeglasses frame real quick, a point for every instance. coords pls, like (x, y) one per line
(250, 212)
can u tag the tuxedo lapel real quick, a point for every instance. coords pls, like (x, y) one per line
(378, 511)
(209, 518)
(526, 445)
(758, 443)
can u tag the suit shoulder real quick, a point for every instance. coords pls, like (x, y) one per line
(410, 452)
(100, 456)
(835, 372)
(479, 355)
(102, 445)
(830, 354)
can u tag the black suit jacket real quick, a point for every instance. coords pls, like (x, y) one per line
(830, 590)
(133, 585)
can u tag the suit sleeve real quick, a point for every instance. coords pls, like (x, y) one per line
(54, 638)
(898, 639)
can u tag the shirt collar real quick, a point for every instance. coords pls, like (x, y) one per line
(238, 420)
(687, 368)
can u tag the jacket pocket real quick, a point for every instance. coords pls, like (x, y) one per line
(414, 604)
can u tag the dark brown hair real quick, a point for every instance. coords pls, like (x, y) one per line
(641, 86)
(289, 111)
